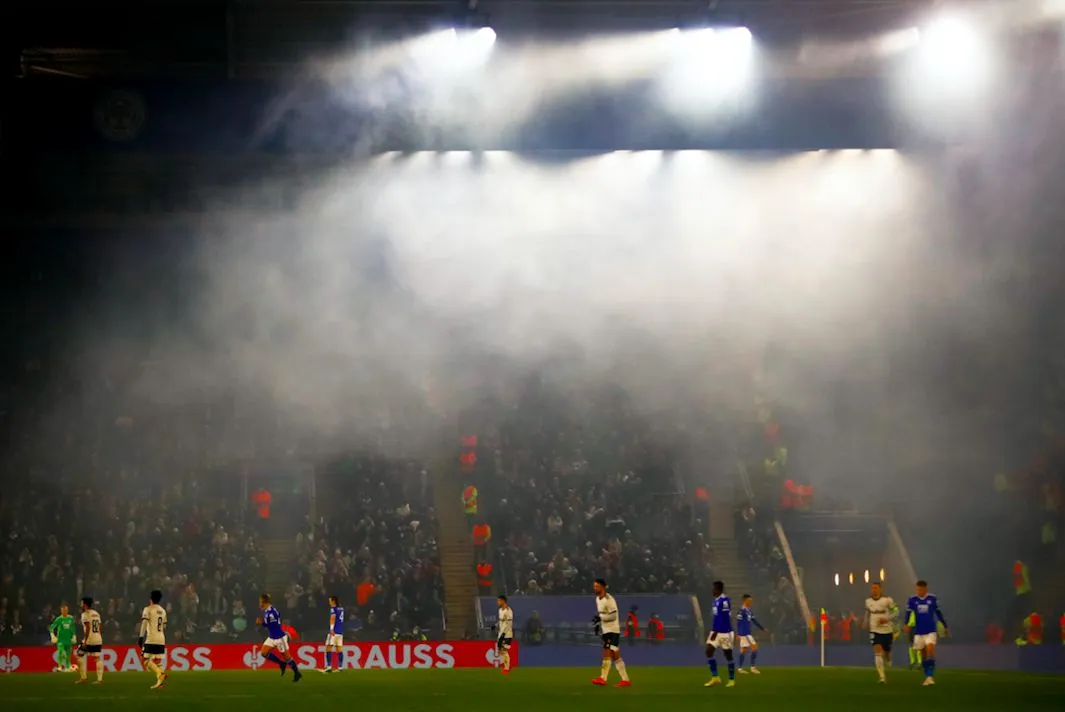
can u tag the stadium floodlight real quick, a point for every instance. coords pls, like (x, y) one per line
(709, 68)
(718, 42)
(736, 38)
(946, 81)
(837, 579)
(484, 37)
(454, 51)
(952, 41)
(867, 575)
(883, 575)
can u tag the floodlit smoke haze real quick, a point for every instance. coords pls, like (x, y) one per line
(404, 288)
(401, 276)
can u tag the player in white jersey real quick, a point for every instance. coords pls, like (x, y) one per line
(880, 615)
(152, 640)
(92, 642)
(608, 623)
(506, 634)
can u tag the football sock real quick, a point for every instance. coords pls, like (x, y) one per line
(879, 664)
(99, 667)
(328, 659)
(930, 667)
(506, 659)
(619, 664)
(272, 656)
(292, 664)
(712, 662)
(731, 670)
(155, 668)
(605, 671)
(83, 666)
(340, 659)
(743, 658)
(754, 658)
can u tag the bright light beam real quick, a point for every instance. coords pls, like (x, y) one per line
(951, 43)
(454, 50)
(946, 81)
(711, 69)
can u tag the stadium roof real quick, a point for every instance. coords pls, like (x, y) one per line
(262, 38)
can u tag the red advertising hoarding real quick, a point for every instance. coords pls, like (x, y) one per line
(243, 656)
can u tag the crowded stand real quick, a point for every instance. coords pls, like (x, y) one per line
(106, 530)
(556, 535)
(557, 503)
(85, 522)
(378, 545)
(568, 501)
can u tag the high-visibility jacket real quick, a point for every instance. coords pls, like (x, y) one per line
(632, 625)
(262, 499)
(1033, 626)
(789, 495)
(1021, 582)
(484, 574)
(364, 592)
(656, 630)
(482, 534)
(994, 634)
(469, 499)
(846, 625)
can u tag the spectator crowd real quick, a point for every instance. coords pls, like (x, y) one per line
(378, 544)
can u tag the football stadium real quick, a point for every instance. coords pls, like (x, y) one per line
(460, 354)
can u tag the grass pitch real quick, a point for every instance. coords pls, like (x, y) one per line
(534, 689)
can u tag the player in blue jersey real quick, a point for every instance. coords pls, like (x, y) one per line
(744, 621)
(334, 639)
(275, 647)
(720, 637)
(922, 614)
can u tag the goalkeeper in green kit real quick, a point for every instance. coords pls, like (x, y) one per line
(63, 635)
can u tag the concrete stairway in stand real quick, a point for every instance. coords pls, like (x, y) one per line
(728, 562)
(279, 557)
(457, 564)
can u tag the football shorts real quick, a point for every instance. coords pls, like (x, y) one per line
(278, 644)
(920, 642)
(884, 640)
(721, 641)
